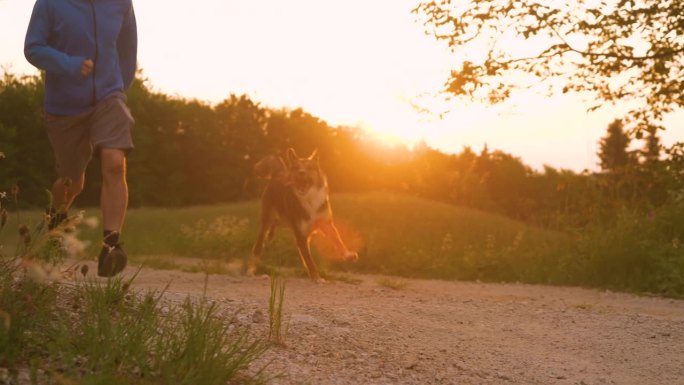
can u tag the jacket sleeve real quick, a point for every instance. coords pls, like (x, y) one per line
(37, 50)
(127, 45)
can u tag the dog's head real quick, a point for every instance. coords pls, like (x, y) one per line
(304, 173)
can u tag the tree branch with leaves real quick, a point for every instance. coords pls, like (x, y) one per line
(613, 50)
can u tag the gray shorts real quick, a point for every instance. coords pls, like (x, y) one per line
(75, 138)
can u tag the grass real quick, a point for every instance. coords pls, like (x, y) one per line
(188, 344)
(159, 263)
(102, 332)
(405, 236)
(275, 310)
(394, 234)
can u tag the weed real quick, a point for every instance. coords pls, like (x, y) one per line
(26, 307)
(275, 310)
(199, 348)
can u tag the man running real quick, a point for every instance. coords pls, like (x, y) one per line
(87, 49)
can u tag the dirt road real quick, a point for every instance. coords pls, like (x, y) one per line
(436, 332)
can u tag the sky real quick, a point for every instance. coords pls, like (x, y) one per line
(363, 63)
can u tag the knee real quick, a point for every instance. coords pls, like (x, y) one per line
(113, 164)
(77, 186)
(73, 187)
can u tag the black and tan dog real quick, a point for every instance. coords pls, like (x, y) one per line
(296, 196)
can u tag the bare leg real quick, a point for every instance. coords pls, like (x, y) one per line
(114, 196)
(64, 191)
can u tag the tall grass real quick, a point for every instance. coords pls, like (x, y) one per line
(102, 332)
(25, 306)
(121, 337)
(98, 332)
(275, 310)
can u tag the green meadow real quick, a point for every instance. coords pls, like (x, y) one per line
(404, 236)
(394, 235)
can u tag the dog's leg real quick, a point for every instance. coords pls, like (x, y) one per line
(270, 233)
(265, 229)
(305, 255)
(328, 229)
(257, 249)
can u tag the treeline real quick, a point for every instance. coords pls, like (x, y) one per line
(189, 153)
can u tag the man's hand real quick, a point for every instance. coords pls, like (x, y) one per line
(87, 67)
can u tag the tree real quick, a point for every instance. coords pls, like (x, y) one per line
(613, 148)
(617, 50)
(651, 150)
(28, 157)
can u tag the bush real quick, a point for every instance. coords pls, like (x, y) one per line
(640, 252)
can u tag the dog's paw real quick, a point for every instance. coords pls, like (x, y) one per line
(351, 256)
(249, 270)
(319, 280)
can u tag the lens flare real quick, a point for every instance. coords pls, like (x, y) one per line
(327, 248)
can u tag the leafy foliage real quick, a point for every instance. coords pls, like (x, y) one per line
(22, 136)
(191, 153)
(617, 50)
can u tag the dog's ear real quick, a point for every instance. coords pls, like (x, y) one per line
(314, 156)
(269, 167)
(291, 156)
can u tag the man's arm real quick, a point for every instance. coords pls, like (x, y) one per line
(127, 44)
(37, 50)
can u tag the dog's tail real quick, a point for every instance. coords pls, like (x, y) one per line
(271, 167)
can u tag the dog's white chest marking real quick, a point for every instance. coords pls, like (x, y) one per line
(313, 200)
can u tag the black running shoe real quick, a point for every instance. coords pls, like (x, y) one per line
(112, 261)
(54, 218)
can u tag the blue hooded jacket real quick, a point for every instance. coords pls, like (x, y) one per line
(63, 33)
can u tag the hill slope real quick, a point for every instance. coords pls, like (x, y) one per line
(394, 234)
